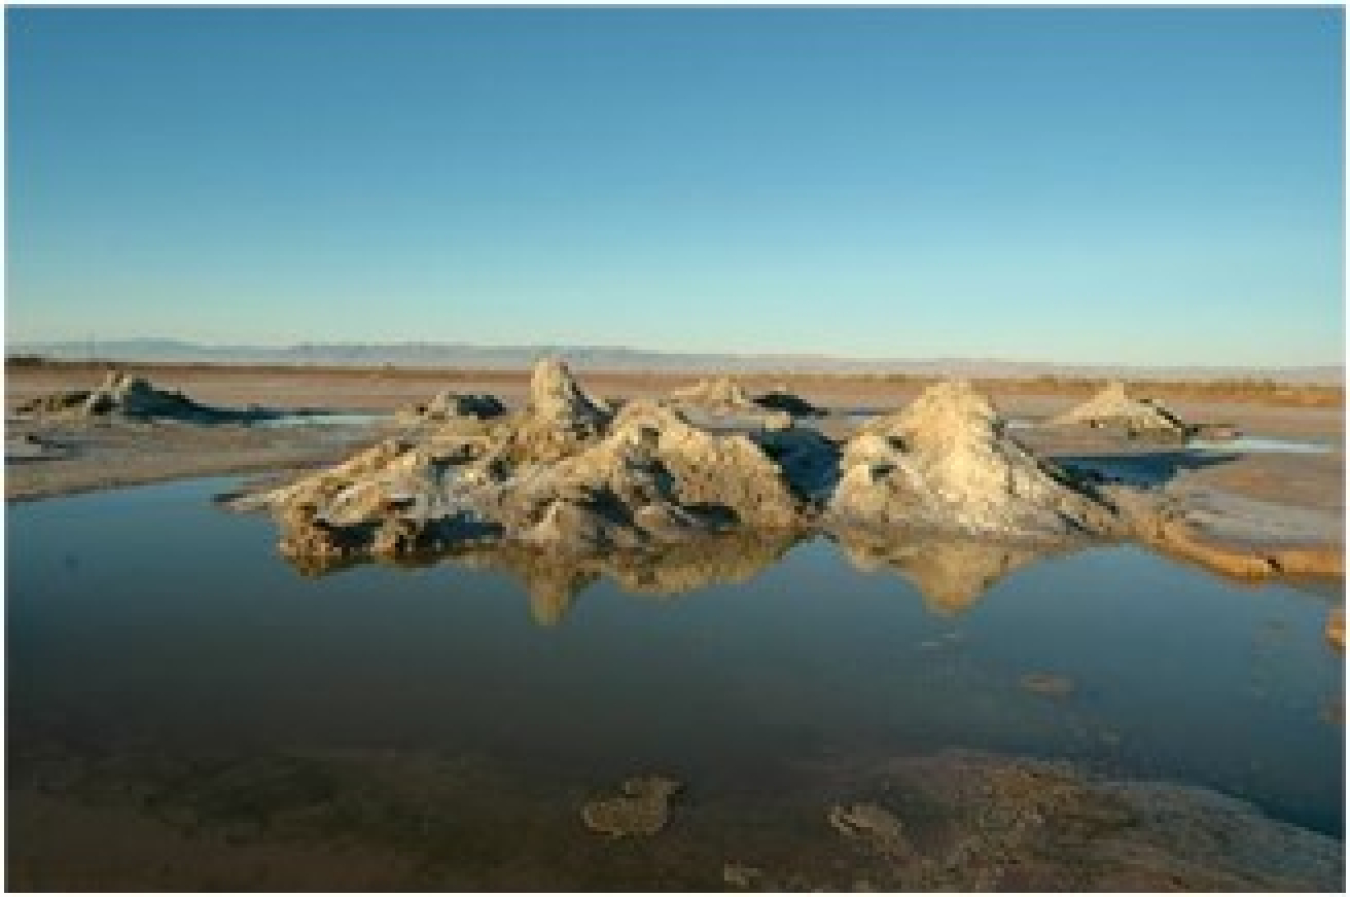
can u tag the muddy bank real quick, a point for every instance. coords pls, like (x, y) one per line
(81, 456)
(404, 820)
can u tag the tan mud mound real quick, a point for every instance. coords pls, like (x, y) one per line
(567, 475)
(1114, 409)
(561, 474)
(724, 396)
(948, 463)
(123, 395)
(454, 406)
(719, 395)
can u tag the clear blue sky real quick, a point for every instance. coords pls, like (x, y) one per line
(1131, 185)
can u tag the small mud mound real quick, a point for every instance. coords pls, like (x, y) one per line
(559, 419)
(454, 406)
(720, 395)
(123, 395)
(947, 463)
(1113, 409)
(556, 397)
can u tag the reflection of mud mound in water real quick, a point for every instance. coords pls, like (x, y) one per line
(553, 581)
(127, 396)
(978, 822)
(947, 462)
(951, 574)
(686, 566)
(1114, 409)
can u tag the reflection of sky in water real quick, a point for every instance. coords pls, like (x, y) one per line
(148, 613)
(1256, 444)
(325, 419)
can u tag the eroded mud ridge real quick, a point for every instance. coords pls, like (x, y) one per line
(577, 477)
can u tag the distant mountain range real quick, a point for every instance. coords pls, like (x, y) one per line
(622, 359)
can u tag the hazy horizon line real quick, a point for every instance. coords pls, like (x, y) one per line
(542, 346)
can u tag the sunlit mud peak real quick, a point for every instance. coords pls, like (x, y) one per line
(948, 462)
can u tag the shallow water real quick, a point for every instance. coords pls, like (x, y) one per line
(1260, 445)
(325, 419)
(148, 617)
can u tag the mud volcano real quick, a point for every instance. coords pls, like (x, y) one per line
(1113, 409)
(129, 397)
(724, 396)
(567, 474)
(450, 405)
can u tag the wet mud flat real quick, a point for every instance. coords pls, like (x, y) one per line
(51, 458)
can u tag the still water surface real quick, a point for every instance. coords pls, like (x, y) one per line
(148, 616)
